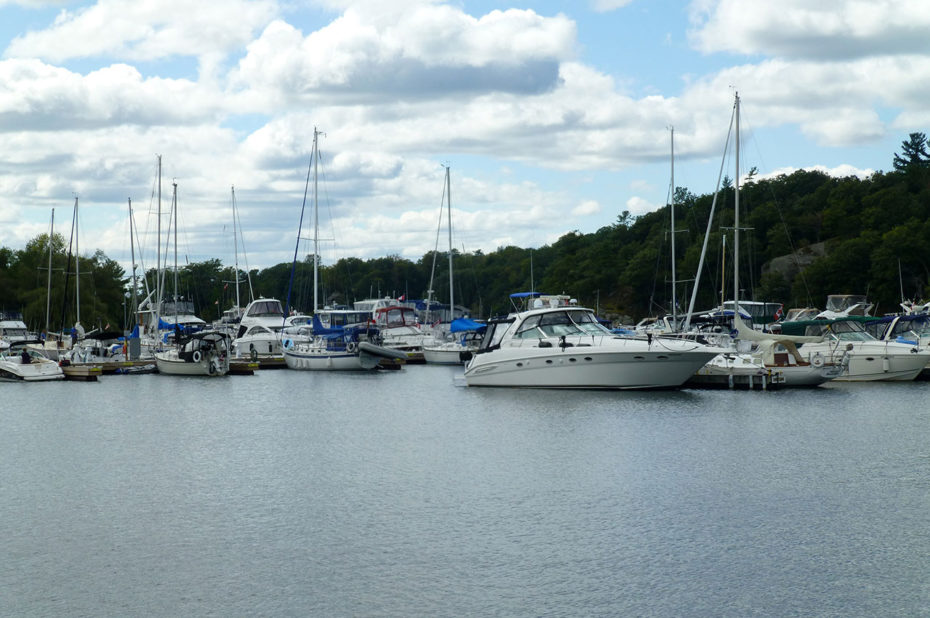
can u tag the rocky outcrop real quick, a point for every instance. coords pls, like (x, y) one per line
(788, 266)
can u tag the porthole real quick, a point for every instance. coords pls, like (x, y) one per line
(519, 364)
(588, 358)
(572, 360)
(640, 357)
(549, 362)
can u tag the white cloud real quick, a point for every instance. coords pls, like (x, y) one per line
(146, 30)
(587, 207)
(839, 171)
(805, 29)
(38, 96)
(434, 50)
(604, 6)
(639, 206)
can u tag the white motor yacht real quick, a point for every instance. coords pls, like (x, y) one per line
(566, 347)
(18, 363)
(866, 358)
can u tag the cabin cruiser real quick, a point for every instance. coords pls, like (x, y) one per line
(19, 363)
(910, 329)
(567, 347)
(12, 326)
(866, 358)
(260, 328)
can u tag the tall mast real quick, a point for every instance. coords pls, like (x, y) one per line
(672, 208)
(174, 209)
(132, 253)
(77, 263)
(316, 218)
(451, 286)
(158, 267)
(736, 221)
(48, 301)
(236, 245)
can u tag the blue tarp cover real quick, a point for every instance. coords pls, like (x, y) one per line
(461, 325)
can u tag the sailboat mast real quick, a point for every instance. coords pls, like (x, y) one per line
(235, 245)
(451, 287)
(48, 301)
(77, 263)
(736, 220)
(132, 253)
(174, 209)
(672, 208)
(316, 218)
(158, 267)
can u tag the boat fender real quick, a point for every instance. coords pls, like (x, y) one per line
(213, 368)
(253, 354)
(817, 360)
(351, 347)
(196, 356)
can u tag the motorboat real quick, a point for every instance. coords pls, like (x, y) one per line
(339, 348)
(19, 364)
(12, 326)
(205, 353)
(399, 329)
(866, 358)
(567, 347)
(911, 329)
(260, 328)
(97, 347)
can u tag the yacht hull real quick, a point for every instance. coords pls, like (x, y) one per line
(584, 368)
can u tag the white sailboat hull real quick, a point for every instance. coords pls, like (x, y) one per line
(169, 363)
(444, 354)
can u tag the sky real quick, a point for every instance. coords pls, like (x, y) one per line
(553, 117)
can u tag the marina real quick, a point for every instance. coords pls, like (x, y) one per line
(406, 493)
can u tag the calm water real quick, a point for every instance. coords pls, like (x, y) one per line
(403, 494)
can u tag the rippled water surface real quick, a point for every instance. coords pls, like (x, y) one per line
(404, 493)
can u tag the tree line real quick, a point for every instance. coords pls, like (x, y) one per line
(841, 235)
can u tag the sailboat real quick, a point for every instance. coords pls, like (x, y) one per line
(756, 360)
(462, 331)
(340, 348)
(203, 353)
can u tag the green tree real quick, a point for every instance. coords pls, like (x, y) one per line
(914, 153)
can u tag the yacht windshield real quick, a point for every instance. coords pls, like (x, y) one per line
(266, 308)
(586, 321)
(850, 331)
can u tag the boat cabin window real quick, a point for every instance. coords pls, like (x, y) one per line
(266, 308)
(495, 334)
(558, 324)
(916, 327)
(528, 329)
(850, 331)
(586, 321)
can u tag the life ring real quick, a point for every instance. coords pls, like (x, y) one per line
(351, 347)
(817, 360)
(196, 356)
(253, 354)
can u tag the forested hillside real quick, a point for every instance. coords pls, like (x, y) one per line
(872, 237)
